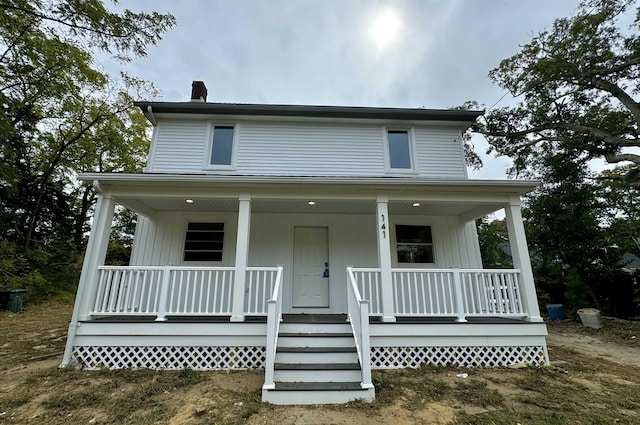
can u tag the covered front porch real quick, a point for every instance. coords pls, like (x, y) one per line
(168, 292)
(237, 301)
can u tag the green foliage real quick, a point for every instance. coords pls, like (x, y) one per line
(472, 159)
(576, 292)
(577, 257)
(494, 240)
(576, 84)
(381, 381)
(61, 115)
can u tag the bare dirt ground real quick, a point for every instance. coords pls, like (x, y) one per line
(594, 378)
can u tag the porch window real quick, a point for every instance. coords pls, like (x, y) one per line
(222, 145)
(203, 242)
(414, 244)
(399, 150)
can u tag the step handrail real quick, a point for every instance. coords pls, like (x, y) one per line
(274, 317)
(358, 314)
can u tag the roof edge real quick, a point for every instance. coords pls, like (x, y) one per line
(517, 186)
(310, 111)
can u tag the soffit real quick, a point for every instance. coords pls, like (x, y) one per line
(302, 206)
(215, 182)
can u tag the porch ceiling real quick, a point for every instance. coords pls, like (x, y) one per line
(152, 193)
(150, 205)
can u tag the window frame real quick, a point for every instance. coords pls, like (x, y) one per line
(412, 151)
(207, 165)
(204, 262)
(395, 258)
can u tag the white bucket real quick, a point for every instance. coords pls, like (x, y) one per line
(590, 317)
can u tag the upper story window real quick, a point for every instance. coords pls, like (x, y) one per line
(222, 146)
(204, 242)
(399, 150)
(414, 244)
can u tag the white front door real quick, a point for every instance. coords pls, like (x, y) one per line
(311, 267)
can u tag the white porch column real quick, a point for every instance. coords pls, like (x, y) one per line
(242, 257)
(94, 256)
(384, 258)
(521, 260)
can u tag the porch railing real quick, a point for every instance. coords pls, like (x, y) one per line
(492, 292)
(368, 283)
(458, 293)
(358, 313)
(274, 317)
(163, 291)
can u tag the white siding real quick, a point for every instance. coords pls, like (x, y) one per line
(180, 146)
(305, 149)
(310, 149)
(352, 241)
(454, 244)
(439, 153)
(161, 241)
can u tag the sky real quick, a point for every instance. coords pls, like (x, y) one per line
(406, 54)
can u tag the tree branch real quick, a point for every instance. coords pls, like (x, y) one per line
(612, 140)
(620, 94)
(621, 157)
(614, 69)
(65, 23)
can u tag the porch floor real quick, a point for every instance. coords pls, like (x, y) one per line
(311, 318)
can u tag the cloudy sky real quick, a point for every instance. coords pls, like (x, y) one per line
(409, 54)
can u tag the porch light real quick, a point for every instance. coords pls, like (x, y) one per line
(416, 204)
(311, 202)
(189, 201)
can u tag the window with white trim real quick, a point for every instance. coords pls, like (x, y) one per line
(204, 242)
(399, 150)
(414, 244)
(222, 145)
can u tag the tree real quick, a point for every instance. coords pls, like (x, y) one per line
(60, 115)
(493, 239)
(56, 102)
(577, 83)
(622, 210)
(577, 259)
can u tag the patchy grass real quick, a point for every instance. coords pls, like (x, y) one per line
(617, 331)
(39, 332)
(577, 389)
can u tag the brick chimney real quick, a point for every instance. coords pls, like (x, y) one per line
(198, 91)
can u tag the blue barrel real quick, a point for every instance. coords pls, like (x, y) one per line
(556, 312)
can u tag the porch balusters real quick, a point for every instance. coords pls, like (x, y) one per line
(456, 293)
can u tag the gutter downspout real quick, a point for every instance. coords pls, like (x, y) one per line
(150, 116)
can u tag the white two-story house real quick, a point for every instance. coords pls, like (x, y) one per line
(314, 242)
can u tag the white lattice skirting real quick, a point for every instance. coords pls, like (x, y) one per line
(170, 358)
(250, 357)
(414, 357)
